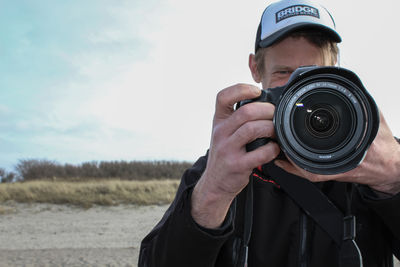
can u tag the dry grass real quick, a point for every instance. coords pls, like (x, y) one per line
(89, 193)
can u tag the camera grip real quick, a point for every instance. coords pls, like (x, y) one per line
(272, 96)
(261, 142)
(257, 143)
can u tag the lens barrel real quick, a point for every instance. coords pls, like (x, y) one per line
(325, 120)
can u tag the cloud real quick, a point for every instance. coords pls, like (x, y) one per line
(56, 58)
(98, 79)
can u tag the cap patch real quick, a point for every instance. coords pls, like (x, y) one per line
(298, 10)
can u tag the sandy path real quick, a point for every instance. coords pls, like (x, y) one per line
(56, 235)
(52, 235)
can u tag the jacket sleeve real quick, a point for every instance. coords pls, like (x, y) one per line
(388, 209)
(177, 240)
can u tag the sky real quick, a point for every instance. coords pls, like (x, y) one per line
(129, 80)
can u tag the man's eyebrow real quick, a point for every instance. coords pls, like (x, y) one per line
(282, 67)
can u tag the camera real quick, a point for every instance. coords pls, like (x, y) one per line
(325, 120)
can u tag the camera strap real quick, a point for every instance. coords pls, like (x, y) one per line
(340, 227)
(248, 222)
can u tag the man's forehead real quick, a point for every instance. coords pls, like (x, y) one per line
(292, 53)
(291, 64)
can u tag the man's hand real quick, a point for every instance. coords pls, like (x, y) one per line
(229, 164)
(380, 169)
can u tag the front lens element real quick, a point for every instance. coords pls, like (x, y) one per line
(322, 122)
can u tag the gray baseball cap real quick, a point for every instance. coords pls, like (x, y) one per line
(282, 17)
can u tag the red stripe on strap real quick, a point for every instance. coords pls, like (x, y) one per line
(266, 180)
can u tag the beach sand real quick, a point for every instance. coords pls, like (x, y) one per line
(59, 235)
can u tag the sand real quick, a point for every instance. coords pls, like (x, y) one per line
(59, 235)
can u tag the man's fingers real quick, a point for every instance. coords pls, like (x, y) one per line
(252, 130)
(262, 155)
(290, 167)
(256, 111)
(228, 97)
(253, 111)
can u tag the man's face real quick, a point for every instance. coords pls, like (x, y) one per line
(286, 56)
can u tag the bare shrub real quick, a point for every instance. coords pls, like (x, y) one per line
(6, 177)
(34, 169)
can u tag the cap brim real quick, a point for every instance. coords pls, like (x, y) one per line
(279, 35)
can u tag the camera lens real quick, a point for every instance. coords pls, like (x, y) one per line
(322, 121)
(325, 120)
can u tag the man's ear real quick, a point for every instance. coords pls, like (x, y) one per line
(253, 68)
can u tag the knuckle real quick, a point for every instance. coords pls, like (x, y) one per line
(229, 160)
(241, 86)
(251, 130)
(227, 93)
(245, 113)
(220, 150)
(267, 109)
(222, 96)
(244, 134)
(218, 133)
(237, 89)
(268, 128)
(231, 165)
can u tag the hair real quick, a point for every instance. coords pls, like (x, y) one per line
(329, 48)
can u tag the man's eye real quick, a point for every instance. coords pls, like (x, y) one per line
(284, 72)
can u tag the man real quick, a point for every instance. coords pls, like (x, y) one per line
(208, 225)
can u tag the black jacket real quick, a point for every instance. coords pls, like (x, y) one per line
(282, 235)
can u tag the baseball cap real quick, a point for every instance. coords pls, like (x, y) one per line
(282, 17)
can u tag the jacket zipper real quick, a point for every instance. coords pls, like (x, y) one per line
(303, 253)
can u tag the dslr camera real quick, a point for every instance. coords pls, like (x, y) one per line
(325, 120)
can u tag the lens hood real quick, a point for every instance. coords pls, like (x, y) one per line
(325, 120)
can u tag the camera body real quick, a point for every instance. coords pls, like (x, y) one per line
(325, 120)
